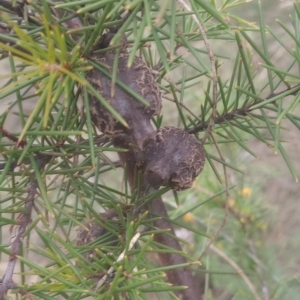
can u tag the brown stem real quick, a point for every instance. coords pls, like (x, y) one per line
(11, 137)
(178, 276)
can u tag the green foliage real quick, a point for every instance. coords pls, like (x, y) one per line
(48, 58)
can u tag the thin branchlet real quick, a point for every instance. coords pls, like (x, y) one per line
(243, 111)
(25, 219)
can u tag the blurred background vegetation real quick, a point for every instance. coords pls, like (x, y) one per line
(261, 235)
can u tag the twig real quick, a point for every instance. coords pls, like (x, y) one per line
(214, 75)
(99, 141)
(238, 269)
(241, 111)
(14, 139)
(7, 282)
(121, 257)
